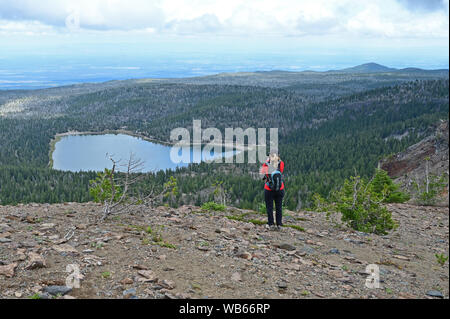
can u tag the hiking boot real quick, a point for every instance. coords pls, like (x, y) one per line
(270, 227)
(278, 228)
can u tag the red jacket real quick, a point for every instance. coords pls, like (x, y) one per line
(265, 170)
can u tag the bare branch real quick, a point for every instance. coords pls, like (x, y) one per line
(122, 182)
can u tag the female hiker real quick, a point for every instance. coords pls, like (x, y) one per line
(272, 171)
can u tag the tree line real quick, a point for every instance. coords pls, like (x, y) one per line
(322, 143)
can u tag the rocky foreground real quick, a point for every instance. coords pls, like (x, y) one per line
(190, 253)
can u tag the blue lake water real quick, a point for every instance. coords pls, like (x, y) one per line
(89, 153)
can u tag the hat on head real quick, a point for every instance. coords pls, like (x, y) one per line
(274, 151)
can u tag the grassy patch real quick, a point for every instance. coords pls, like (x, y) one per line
(299, 228)
(106, 274)
(238, 218)
(213, 206)
(154, 236)
(241, 218)
(196, 286)
(441, 259)
(257, 221)
(97, 245)
(167, 245)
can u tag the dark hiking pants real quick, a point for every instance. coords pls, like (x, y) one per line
(270, 197)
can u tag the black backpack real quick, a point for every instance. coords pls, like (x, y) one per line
(275, 179)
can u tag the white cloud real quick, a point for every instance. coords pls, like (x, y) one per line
(382, 18)
(11, 27)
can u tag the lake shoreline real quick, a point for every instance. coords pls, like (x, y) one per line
(59, 136)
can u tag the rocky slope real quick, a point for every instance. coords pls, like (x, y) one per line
(410, 166)
(190, 253)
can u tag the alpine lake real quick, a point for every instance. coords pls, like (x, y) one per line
(92, 152)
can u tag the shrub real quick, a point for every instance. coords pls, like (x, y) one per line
(103, 187)
(213, 206)
(428, 191)
(262, 208)
(383, 185)
(320, 204)
(361, 207)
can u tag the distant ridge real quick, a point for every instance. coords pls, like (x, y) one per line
(378, 68)
(368, 68)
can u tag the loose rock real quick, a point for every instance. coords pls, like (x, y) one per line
(35, 261)
(236, 277)
(8, 270)
(435, 293)
(57, 290)
(287, 246)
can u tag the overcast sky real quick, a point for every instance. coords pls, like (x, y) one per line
(273, 25)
